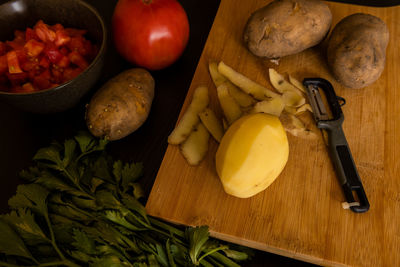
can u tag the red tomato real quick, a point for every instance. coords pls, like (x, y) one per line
(150, 33)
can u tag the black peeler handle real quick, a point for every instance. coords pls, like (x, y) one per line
(339, 149)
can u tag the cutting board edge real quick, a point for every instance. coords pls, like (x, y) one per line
(256, 245)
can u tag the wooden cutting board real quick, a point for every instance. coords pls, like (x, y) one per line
(300, 214)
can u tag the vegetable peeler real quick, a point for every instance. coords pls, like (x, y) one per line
(331, 121)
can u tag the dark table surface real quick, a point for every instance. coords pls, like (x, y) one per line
(22, 134)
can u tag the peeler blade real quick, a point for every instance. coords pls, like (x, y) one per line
(316, 102)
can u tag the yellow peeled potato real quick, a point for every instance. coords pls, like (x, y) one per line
(252, 154)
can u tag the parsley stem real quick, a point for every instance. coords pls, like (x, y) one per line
(212, 251)
(223, 259)
(76, 183)
(167, 227)
(59, 263)
(5, 264)
(53, 240)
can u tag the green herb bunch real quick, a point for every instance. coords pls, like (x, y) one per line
(79, 207)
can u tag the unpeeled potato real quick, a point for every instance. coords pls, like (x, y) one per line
(121, 105)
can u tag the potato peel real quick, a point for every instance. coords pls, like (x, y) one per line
(195, 147)
(293, 99)
(280, 84)
(297, 127)
(303, 108)
(190, 118)
(297, 84)
(230, 108)
(216, 76)
(250, 87)
(243, 99)
(211, 122)
(272, 106)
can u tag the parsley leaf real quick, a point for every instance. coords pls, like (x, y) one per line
(129, 174)
(69, 149)
(30, 196)
(83, 242)
(81, 206)
(11, 243)
(24, 223)
(51, 157)
(197, 236)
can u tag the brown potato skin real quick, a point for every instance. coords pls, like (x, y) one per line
(287, 27)
(356, 50)
(121, 105)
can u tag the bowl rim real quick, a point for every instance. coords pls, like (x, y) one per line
(94, 61)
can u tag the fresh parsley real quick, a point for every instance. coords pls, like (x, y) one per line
(80, 207)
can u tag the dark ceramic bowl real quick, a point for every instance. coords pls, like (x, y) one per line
(20, 14)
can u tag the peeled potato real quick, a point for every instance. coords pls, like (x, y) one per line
(252, 154)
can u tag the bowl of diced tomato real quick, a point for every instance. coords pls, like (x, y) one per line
(51, 53)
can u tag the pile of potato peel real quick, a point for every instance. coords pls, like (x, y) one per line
(238, 96)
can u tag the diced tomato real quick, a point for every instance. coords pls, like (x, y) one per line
(76, 44)
(30, 65)
(44, 62)
(62, 38)
(11, 45)
(64, 62)
(43, 57)
(53, 54)
(19, 39)
(75, 32)
(54, 85)
(19, 34)
(30, 34)
(3, 48)
(64, 50)
(13, 63)
(33, 48)
(17, 78)
(71, 73)
(3, 64)
(28, 87)
(42, 81)
(57, 27)
(21, 55)
(78, 60)
(43, 32)
(57, 75)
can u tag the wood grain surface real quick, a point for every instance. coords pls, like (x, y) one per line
(300, 214)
